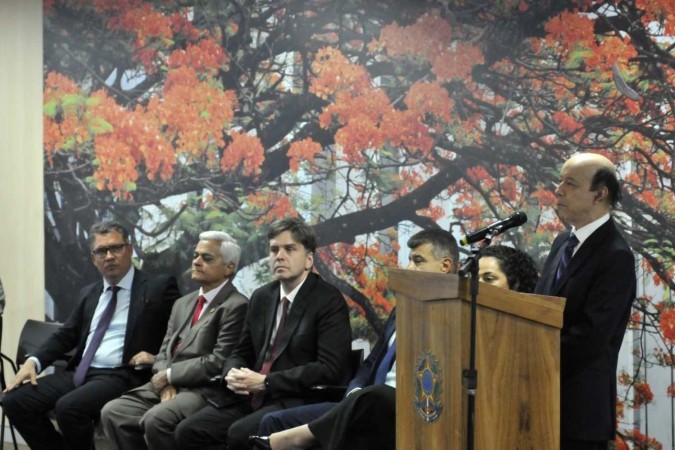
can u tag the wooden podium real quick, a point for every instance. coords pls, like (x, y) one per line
(517, 359)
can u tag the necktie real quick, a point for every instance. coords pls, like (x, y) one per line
(201, 301)
(99, 332)
(198, 310)
(257, 399)
(385, 365)
(572, 242)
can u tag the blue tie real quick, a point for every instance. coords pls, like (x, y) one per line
(99, 332)
(385, 365)
(572, 242)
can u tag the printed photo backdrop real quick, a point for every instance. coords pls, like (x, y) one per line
(366, 118)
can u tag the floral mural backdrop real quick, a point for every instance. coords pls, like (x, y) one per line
(177, 116)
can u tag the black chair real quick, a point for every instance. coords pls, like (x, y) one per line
(3, 386)
(33, 334)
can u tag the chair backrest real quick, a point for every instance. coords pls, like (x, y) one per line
(2, 298)
(33, 334)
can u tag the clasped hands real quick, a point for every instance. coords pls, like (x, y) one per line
(160, 381)
(245, 381)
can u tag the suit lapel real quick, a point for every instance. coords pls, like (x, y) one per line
(391, 325)
(269, 323)
(549, 277)
(184, 316)
(587, 249)
(136, 302)
(90, 304)
(297, 312)
(219, 299)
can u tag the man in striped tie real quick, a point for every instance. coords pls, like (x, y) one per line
(204, 327)
(593, 267)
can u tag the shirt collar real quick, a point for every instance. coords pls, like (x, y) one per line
(125, 283)
(585, 232)
(209, 296)
(291, 295)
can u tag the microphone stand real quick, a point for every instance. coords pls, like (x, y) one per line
(470, 375)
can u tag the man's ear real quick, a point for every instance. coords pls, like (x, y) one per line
(447, 265)
(601, 194)
(309, 261)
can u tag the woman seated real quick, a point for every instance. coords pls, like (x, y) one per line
(508, 268)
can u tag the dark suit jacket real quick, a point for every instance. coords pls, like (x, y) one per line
(367, 370)
(207, 344)
(315, 344)
(149, 309)
(599, 285)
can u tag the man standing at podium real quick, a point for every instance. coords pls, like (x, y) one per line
(593, 267)
(366, 417)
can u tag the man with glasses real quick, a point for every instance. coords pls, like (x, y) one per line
(116, 319)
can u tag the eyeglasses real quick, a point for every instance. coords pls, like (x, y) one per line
(101, 252)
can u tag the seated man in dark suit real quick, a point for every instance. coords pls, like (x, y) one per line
(430, 251)
(204, 327)
(297, 334)
(116, 319)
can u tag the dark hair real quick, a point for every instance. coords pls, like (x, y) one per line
(300, 231)
(107, 227)
(606, 177)
(443, 243)
(519, 268)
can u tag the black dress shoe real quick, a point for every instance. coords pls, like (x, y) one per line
(261, 441)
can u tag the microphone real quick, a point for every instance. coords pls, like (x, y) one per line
(514, 220)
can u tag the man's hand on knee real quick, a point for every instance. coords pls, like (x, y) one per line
(26, 372)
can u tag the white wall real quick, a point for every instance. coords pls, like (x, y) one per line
(21, 185)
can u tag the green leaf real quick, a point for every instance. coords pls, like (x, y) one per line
(49, 108)
(98, 125)
(71, 102)
(92, 101)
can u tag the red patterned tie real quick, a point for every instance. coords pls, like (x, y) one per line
(257, 399)
(198, 310)
(201, 301)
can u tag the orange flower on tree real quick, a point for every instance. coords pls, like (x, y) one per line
(303, 150)
(667, 324)
(642, 394)
(245, 152)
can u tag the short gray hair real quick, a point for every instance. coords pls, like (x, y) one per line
(230, 251)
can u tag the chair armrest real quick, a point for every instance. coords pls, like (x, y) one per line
(217, 379)
(329, 392)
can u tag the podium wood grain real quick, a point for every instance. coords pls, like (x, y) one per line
(517, 359)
